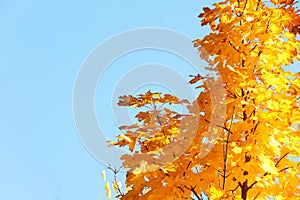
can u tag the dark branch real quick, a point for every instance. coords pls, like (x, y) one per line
(226, 150)
(233, 47)
(194, 191)
(252, 185)
(282, 157)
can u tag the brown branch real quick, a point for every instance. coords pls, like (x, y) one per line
(180, 188)
(253, 47)
(258, 4)
(188, 165)
(235, 188)
(252, 113)
(244, 7)
(233, 47)
(252, 185)
(194, 191)
(226, 129)
(239, 14)
(225, 151)
(244, 188)
(255, 127)
(284, 169)
(232, 94)
(260, 51)
(277, 163)
(268, 23)
(256, 195)
(240, 184)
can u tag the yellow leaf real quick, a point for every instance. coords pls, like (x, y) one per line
(215, 193)
(237, 150)
(268, 166)
(279, 197)
(174, 130)
(103, 175)
(108, 191)
(117, 185)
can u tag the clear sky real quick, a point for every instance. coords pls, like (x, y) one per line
(42, 46)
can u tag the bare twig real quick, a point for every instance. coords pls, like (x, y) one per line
(116, 171)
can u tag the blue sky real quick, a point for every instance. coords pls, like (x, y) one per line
(42, 46)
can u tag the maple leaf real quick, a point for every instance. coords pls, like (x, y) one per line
(256, 155)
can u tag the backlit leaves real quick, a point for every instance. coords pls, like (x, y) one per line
(257, 153)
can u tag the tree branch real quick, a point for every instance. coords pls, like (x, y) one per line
(257, 4)
(277, 163)
(194, 192)
(233, 47)
(225, 151)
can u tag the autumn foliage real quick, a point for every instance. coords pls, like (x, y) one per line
(253, 152)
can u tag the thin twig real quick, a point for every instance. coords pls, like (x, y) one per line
(277, 163)
(226, 150)
(116, 171)
(257, 4)
(194, 192)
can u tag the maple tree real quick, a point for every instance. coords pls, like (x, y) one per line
(253, 153)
